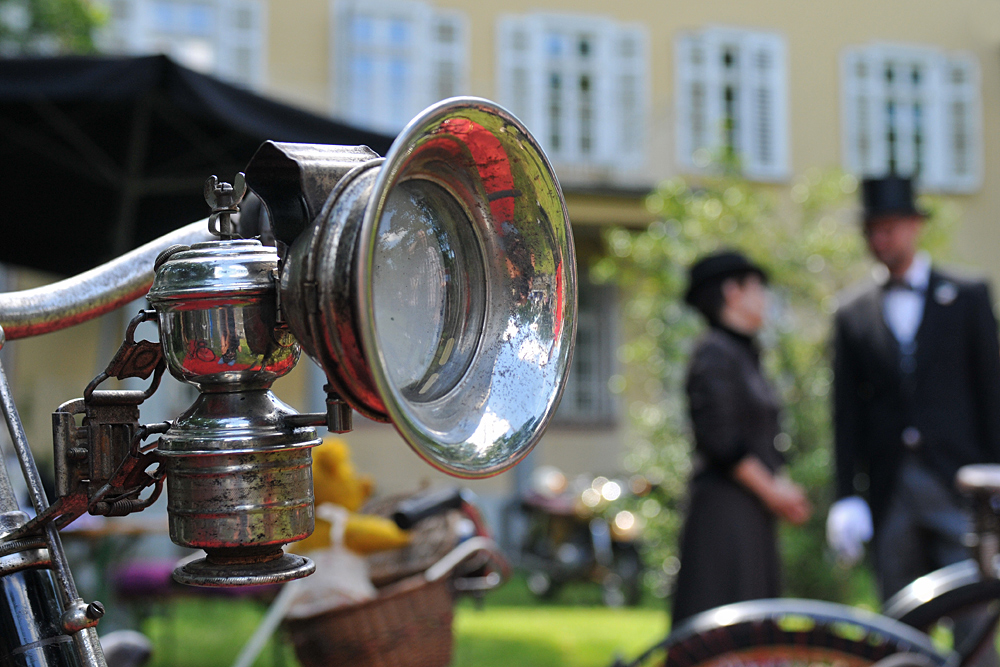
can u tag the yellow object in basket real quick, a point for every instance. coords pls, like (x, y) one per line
(336, 481)
(334, 478)
(364, 534)
(367, 533)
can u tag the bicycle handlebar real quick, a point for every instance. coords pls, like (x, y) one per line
(93, 293)
(409, 512)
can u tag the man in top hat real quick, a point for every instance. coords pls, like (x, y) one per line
(916, 396)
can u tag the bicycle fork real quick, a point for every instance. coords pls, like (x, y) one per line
(43, 620)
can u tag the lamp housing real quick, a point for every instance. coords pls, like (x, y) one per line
(435, 287)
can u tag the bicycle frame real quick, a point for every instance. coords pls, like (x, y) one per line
(970, 587)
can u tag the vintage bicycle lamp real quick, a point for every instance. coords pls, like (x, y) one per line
(435, 287)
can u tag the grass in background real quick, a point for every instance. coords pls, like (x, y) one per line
(510, 628)
(553, 636)
(210, 632)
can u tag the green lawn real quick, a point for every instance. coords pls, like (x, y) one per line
(509, 629)
(553, 636)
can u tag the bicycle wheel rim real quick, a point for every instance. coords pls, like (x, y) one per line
(773, 632)
(944, 592)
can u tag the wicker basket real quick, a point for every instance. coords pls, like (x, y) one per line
(430, 540)
(407, 625)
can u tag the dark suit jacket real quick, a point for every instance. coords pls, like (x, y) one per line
(951, 394)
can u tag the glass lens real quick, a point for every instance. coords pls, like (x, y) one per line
(428, 290)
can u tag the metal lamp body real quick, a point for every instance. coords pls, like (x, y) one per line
(436, 287)
(239, 477)
(317, 291)
(217, 313)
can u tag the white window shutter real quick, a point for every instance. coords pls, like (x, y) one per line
(416, 59)
(376, 115)
(242, 42)
(449, 73)
(341, 59)
(631, 86)
(536, 75)
(714, 45)
(935, 168)
(903, 121)
(132, 26)
(855, 139)
(517, 86)
(605, 103)
(691, 97)
(876, 92)
(863, 111)
(558, 126)
(134, 29)
(764, 133)
(962, 128)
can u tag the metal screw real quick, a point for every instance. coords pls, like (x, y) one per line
(224, 200)
(95, 610)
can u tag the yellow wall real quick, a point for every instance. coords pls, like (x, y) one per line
(54, 368)
(816, 32)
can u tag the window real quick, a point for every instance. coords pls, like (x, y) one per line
(586, 398)
(393, 58)
(913, 112)
(731, 101)
(219, 37)
(578, 83)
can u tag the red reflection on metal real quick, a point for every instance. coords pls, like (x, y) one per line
(558, 324)
(493, 165)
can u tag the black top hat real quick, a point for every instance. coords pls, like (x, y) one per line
(891, 195)
(719, 266)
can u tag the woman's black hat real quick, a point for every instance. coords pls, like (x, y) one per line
(719, 266)
(891, 195)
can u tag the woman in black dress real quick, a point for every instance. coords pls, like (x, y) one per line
(729, 547)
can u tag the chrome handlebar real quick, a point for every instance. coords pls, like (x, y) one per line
(93, 293)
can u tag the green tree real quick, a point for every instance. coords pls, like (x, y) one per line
(47, 27)
(809, 242)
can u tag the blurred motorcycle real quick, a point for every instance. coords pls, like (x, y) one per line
(580, 531)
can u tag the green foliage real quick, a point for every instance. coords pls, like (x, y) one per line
(809, 242)
(47, 27)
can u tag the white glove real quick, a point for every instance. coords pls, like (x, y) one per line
(848, 527)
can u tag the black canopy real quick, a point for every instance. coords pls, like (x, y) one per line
(99, 155)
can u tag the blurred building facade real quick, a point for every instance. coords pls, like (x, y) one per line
(621, 96)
